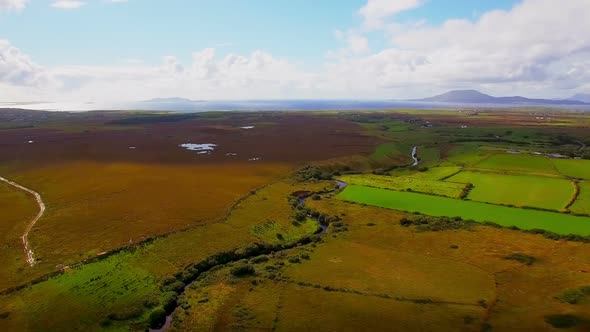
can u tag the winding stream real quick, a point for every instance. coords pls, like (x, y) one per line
(301, 202)
(415, 156)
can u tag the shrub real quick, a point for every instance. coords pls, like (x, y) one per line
(126, 313)
(294, 260)
(242, 270)
(523, 258)
(176, 287)
(574, 296)
(260, 259)
(157, 318)
(562, 321)
(169, 301)
(436, 224)
(316, 197)
(151, 301)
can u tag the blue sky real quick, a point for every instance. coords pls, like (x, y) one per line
(103, 32)
(63, 49)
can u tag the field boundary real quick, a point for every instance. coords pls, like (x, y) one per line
(574, 197)
(30, 258)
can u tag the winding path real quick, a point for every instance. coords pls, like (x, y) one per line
(25, 238)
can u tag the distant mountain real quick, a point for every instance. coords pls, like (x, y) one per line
(170, 100)
(476, 97)
(585, 97)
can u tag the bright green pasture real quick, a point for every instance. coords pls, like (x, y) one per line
(582, 204)
(442, 206)
(437, 173)
(519, 190)
(433, 187)
(573, 168)
(467, 154)
(89, 293)
(518, 163)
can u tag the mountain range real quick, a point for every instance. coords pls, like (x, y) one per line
(476, 97)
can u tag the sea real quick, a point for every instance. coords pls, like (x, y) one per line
(269, 105)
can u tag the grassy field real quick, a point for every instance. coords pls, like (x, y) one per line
(407, 183)
(582, 204)
(516, 162)
(573, 168)
(442, 206)
(123, 202)
(17, 209)
(437, 173)
(366, 272)
(518, 190)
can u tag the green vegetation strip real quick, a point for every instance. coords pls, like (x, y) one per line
(441, 206)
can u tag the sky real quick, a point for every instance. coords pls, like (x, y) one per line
(126, 50)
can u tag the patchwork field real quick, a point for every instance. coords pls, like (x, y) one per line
(408, 183)
(442, 206)
(517, 162)
(573, 168)
(221, 241)
(517, 190)
(582, 204)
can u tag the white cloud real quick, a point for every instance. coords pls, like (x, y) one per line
(531, 49)
(68, 4)
(355, 44)
(17, 69)
(376, 11)
(9, 5)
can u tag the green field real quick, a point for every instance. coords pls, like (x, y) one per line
(518, 163)
(442, 206)
(518, 190)
(409, 183)
(437, 173)
(573, 168)
(582, 204)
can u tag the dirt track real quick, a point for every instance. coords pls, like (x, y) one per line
(25, 238)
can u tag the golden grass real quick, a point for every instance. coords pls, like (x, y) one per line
(93, 207)
(309, 309)
(17, 209)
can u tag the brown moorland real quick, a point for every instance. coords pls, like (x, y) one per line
(108, 180)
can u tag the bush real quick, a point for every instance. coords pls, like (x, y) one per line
(151, 301)
(157, 318)
(169, 301)
(242, 270)
(562, 321)
(574, 296)
(126, 314)
(523, 258)
(176, 287)
(259, 259)
(436, 224)
(294, 260)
